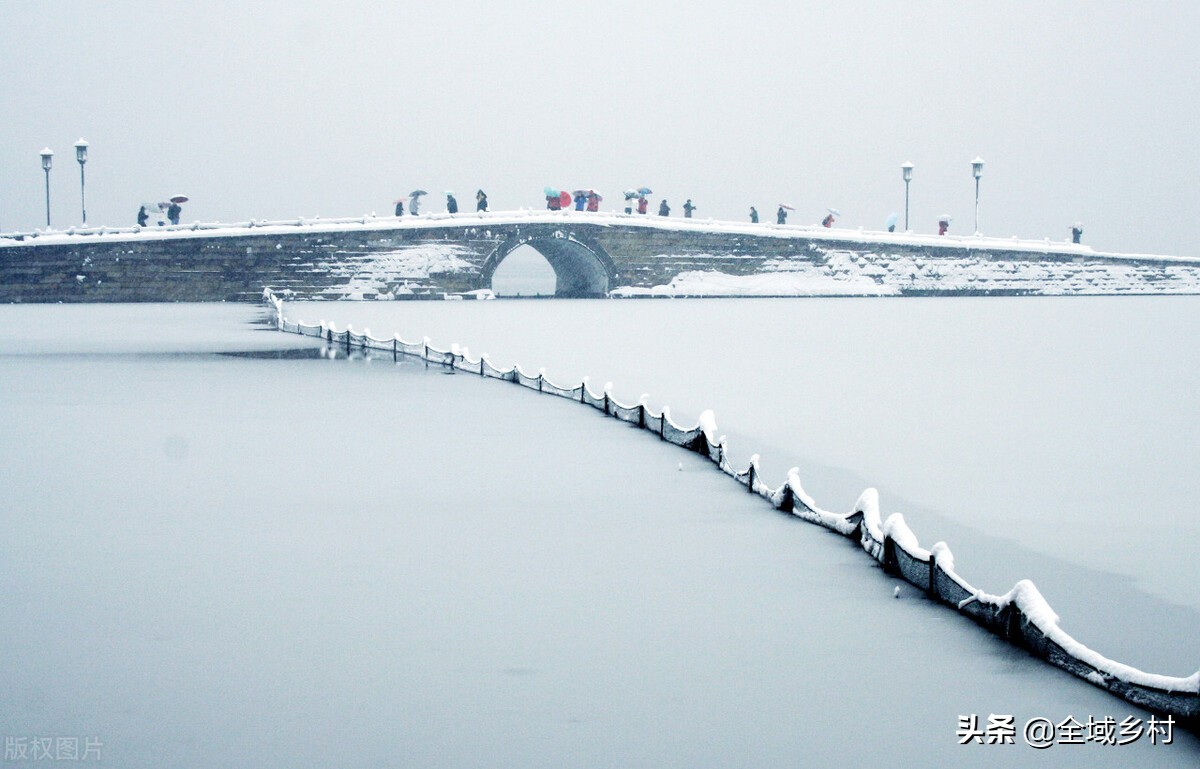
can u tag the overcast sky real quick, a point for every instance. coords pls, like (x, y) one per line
(275, 109)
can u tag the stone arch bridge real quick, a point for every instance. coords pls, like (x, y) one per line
(593, 255)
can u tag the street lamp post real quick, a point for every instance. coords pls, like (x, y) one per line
(906, 169)
(977, 170)
(47, 161)
(81, 148)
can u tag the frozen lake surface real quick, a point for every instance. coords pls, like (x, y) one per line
(270, 558)
(1044, 438)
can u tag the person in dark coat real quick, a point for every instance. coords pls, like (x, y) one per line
(580, 200)
(399, 208)
(753, 215)
(1076, 232)
(554, 202)
(664, 209)
(593, 202)
(173, 213)
(781, 215)
(451, 204)
(688, 208)
(481, 201)
(643, 204)
(142, 216)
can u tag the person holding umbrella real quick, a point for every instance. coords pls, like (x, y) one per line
(781, 214)
(414, 201)
(580, 199)
(688, 208)
(593, 201)
(480, 201)
(630, 196)
(174, 210)
(644, 204)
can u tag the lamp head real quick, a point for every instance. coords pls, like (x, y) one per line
(906, 169)
(977, 167)
(47, 158)
(81, 148)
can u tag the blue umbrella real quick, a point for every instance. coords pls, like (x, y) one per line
(645, 190)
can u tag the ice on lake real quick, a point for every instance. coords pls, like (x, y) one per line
(1043, 438)
(247, 560)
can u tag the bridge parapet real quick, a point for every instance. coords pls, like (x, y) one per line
(592, 255)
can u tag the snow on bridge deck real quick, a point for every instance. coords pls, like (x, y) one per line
(593, 254)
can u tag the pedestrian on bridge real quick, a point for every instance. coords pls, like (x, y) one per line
(688, 208)
(451, 203)
(480, 201)
(400, 207)
(173, 212)
(643, 204)
(753, 215)
(1076, 232)
(781, 215)
(943, 224)
(663, 208)
(580, 200)
(593, 201)
(142, 216)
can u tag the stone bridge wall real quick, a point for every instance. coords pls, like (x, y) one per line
(592, 255)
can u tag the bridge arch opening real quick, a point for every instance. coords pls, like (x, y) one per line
(580, 269)
(524, 272)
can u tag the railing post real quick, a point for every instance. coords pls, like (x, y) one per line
(750, 479)
(605, 401)
(347, 341)
(540, 378)
(395, 349)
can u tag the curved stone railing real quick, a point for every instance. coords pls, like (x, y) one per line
(607, 218)
(1021, 616)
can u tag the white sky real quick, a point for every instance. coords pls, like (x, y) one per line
(280, 109)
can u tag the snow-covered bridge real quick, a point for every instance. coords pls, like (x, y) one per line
(591, 254)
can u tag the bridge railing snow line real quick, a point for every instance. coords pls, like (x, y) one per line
(975, 241)
(1021, 616)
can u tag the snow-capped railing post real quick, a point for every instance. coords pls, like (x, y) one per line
(395, 349)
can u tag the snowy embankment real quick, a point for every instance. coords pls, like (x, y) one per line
(1021, 615)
